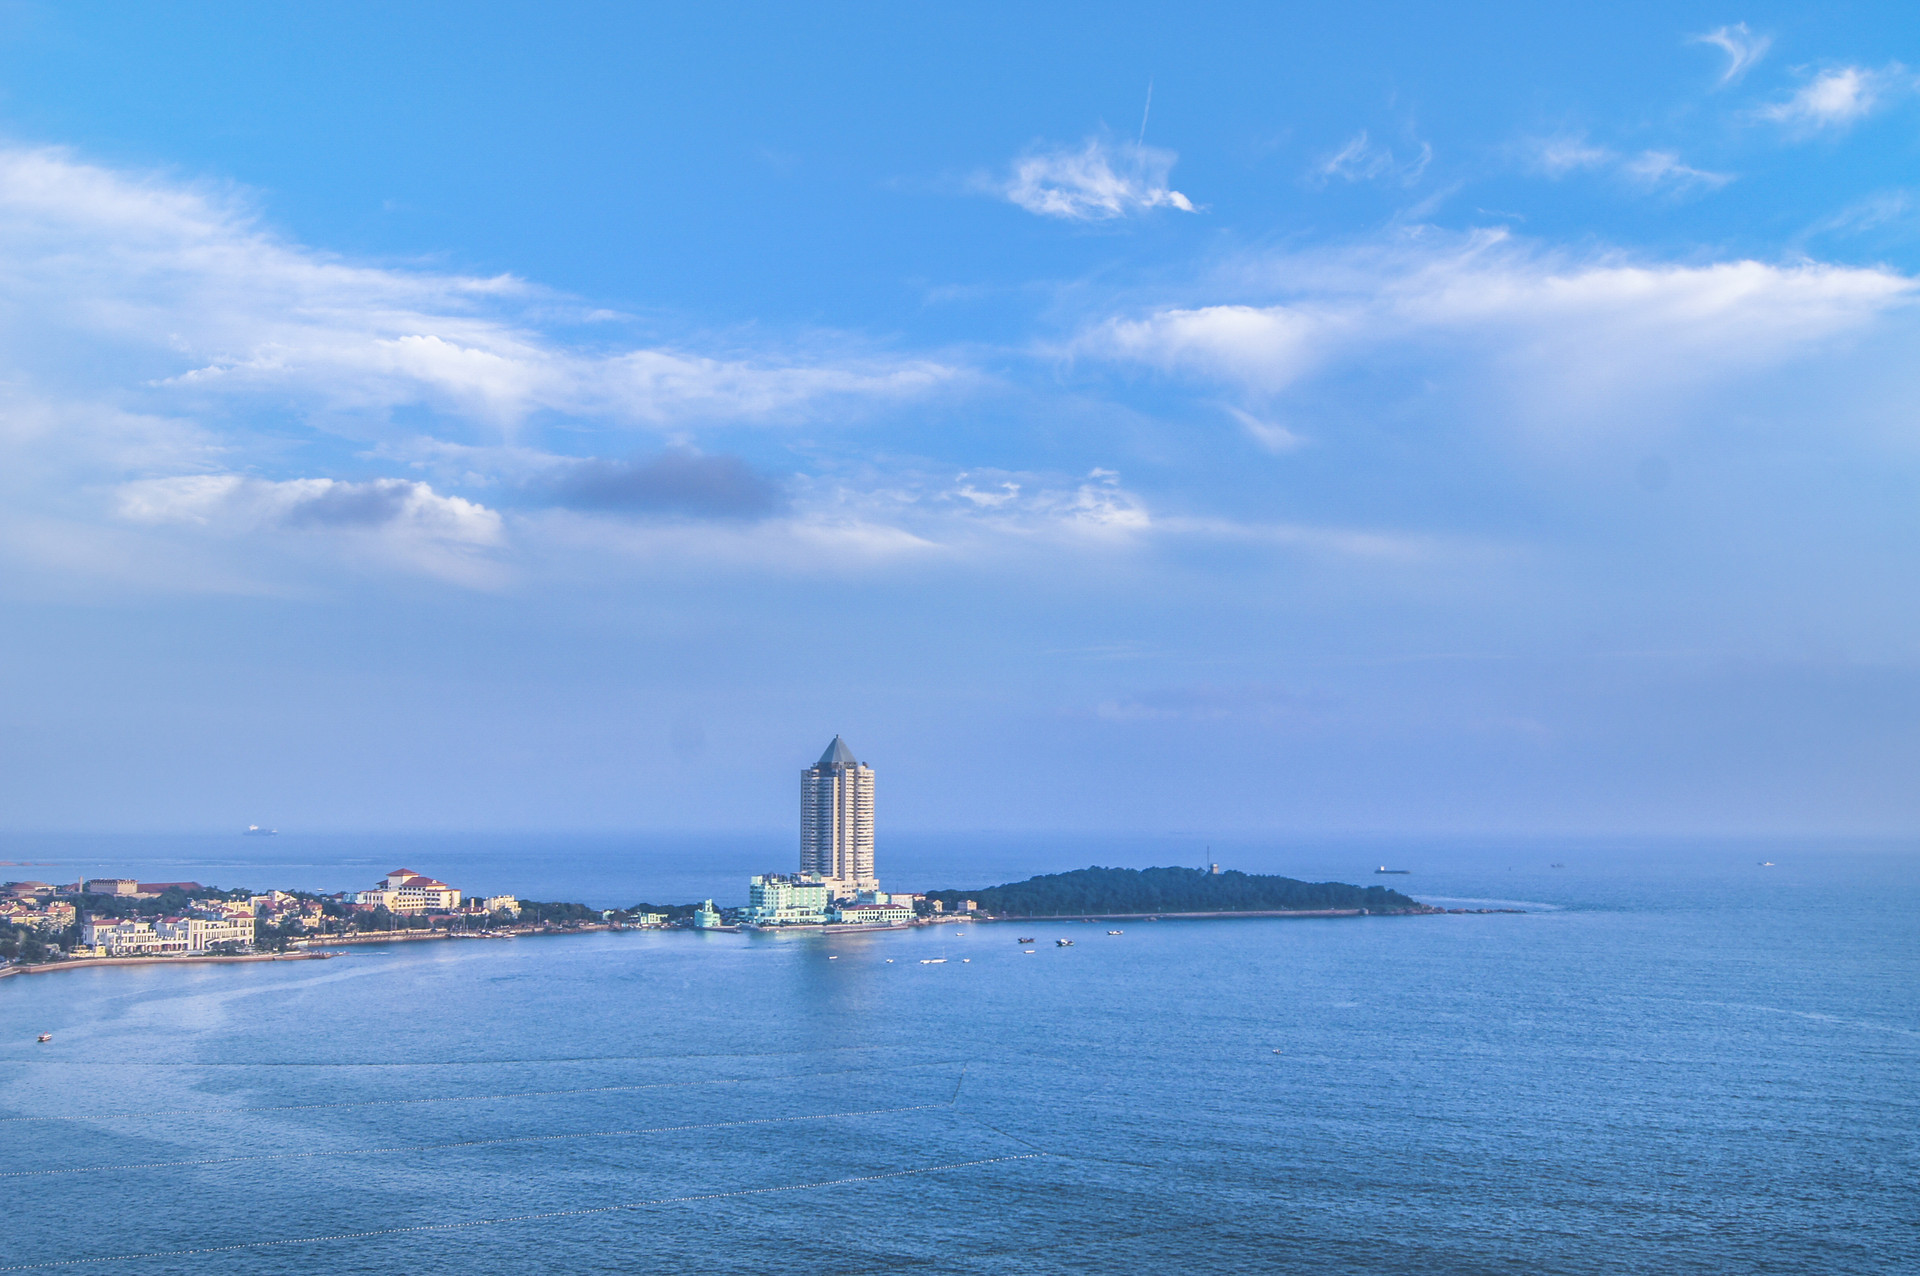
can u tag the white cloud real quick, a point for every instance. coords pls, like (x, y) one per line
(1742, 47)
(191, 299)
(1270, 435)
(239, 503)
(1556, 157)
(1095, 182)
(1571, 335)
(1838, 97)
(1663, 169)
(1264, 347)
(387, 523)
(156, 339)
(1363, 160)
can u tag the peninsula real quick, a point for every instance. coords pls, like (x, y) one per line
(1140, 892)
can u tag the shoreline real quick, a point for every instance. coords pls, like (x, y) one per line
(311, 950)
(1271, 912)
(178, 959)
(1165, 917)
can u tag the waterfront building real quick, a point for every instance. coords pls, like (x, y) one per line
(405, 891)
(112, 886)
(836, 822)
(706, 917)
(195, 933)
(128, 937)
(874, 908)
(775, 899)
(203, 932)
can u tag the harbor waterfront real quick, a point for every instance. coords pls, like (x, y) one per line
(1675, 1059)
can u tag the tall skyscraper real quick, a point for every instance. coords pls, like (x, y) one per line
(836, 821)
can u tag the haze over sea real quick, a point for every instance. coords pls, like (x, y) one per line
(1676, 1060)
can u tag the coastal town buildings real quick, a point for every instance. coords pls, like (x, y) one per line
(707, 917)
(288, 911)
(836, 822)
(198, 932)
(53, 915)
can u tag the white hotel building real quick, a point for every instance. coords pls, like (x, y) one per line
(836, 822)
(405, 891)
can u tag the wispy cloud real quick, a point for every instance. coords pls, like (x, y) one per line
(1096, 181)
(1558, 156)
(1884, 209)
(1650, 170)
(1364, 160)
(1838, 97)
(1271, 435)
(1742, 47)
(189, 292)
(1663, 170)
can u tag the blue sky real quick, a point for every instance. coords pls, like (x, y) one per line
(1149, 418)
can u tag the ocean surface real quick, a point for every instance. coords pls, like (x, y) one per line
(1676, 1060)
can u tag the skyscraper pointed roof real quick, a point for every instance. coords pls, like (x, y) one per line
(837, 753)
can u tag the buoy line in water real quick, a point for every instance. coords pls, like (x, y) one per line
(469, 1143)
(523, 1218)
(482, 1098)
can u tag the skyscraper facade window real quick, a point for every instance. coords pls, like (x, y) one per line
(836, 821)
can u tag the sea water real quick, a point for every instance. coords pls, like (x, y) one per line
(1675, 1060)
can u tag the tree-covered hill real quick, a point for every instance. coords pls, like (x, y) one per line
(1170, 890)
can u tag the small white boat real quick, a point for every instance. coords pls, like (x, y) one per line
(833, 957)
(933, 961)
(45, 1037)
(1063, 943)
(1027, 951)
(1116, 932)
(889, 961)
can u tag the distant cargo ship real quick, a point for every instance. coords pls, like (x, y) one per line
(254, 830)
(1391, 871)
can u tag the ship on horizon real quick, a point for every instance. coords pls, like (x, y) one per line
(254, 830)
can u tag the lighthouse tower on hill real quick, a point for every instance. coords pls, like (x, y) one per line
(836, 822)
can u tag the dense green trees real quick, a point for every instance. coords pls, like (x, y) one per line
(23, 943)
(1169, 890)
